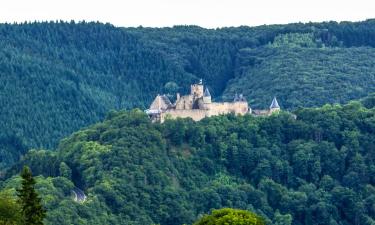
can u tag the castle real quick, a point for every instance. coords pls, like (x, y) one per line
(198, 105)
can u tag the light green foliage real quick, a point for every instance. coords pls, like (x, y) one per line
(293, 40)
(315, 170)
(10, 210)
(230, 217)
(65, 171)
(57, 198)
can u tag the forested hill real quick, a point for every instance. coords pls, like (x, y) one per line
(317, 169)
(57, 77)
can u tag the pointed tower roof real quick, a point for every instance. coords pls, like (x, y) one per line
(161, 102)
(241, 98)
(235, 98)
(166, 100)
(274, 104)
(206, 93)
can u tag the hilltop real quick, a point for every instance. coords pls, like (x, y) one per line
(314, 170)
(58, 77)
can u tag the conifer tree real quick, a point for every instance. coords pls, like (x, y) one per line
(32, 209)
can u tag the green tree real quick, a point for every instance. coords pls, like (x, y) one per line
(282, 219)
(10, 210)
(31, 206)
(65, 171)
(171, 89)
(229, 216)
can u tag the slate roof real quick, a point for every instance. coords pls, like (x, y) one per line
(161, 102)
(235, 98)
(241, 98)
(274, 104)
(166, 100)
(207, 93)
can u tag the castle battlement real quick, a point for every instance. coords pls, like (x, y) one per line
(198, 105)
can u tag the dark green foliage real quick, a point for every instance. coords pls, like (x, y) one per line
(11, 149)
(316, 169)
(58, 77)
(230, 217)
(303, 76)
(34, 157)
(31, 206)
(369, 101)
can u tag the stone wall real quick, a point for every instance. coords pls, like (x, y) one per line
(238, 108)
(261, 112)
(213, 109)
(195, 114)
(196, 90)
(184, 102)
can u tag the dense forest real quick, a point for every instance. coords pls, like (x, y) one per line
(57, 77)
(313, 167)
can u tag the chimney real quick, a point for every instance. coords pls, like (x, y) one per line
(177, 97)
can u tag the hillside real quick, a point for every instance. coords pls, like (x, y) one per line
(303, 77)
(58, 77)
(316, 169)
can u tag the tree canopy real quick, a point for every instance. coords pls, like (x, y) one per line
(57, 77)
(230, 217)
(314, 167)
(31, 206)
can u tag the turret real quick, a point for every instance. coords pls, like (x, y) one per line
(197, 90)
(206, 97)
(241, 98)
(235, 99)
(274, 107)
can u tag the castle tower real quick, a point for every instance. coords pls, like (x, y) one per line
(241, 98)
(197, 90)
(274, 107)
(206, 97)
(235, 99)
